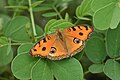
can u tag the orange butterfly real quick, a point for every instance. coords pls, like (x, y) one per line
(64, 43)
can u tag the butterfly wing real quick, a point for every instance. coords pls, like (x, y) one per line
(42, 48)
(81, 32)
(75, 38)
(74, 45)
(50, 47)
(58, 50)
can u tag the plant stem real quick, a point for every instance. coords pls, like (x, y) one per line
(77, 22)
(32, 19)
(117, 58)
(57, 12)
(86, 72)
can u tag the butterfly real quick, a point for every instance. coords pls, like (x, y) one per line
(62, 44)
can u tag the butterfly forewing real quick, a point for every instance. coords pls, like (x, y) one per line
(74, 45)
(81, 32)
(42, 48)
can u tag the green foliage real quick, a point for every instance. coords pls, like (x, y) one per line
(3, 40)
(48, 69)
(6, 54)
(106, 14)
(84, 10)
(25, 47)
(21, 66)
(22, 23)
(96, 68)
(113, 43)
(114, 71)
(50, 14)
(96, 53)
(53, 24)
(14, 32)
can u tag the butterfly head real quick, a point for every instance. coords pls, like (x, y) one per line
(59, 34)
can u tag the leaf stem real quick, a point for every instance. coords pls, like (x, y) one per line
(32, 19)
(57, 12)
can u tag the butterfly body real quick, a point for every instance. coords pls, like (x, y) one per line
(62, 44)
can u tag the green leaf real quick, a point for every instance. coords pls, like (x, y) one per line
(12, 2)
(96, 53)
(79, 55)
(6, 54)
(36, 3)
(39, 30)
(17, 28)
(113, 42)
(21, 66)
(112, 69)
(46, 69)
(17, 7)
(42, 8)
(67, 69)
(47, 26)
(84, 18)
(99, 34)
(96, 68)
(84, 9)
(25, 47)
(49, 14)
(17, 2)
(41, 71)
(67, 16)
(97, 4)
(4, 19)
(3, 40)
(53, 24)
(107, 16)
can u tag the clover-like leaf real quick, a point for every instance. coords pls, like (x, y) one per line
(96, 68)
(97, 4)
(113, 42)
(17, 28)
(70, 68)
(21, 66)
(52, 25)
(96, 53)
(84, 10)
(42, 71)
(45, 70)
(25, 47)
(6, 54)
(107, 16)
(112, 69)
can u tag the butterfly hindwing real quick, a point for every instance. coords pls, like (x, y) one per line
(74, 45)
(58, 50)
